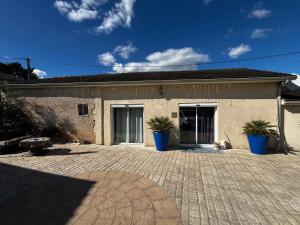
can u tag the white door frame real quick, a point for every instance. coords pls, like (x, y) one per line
(127, 106)
(205, 105)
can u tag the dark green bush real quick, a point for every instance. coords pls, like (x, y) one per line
(13, 113)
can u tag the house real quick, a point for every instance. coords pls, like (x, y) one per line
(205, 105)
(290, 115)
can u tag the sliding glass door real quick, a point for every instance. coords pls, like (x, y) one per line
(135, 125)
(120, 125)
(188, 125)
(128, 124)
(197, 125)
(205, 125)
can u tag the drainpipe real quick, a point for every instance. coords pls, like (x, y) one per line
(279, 118)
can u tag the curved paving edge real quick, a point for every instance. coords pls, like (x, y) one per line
(98, 198)
(126, 198)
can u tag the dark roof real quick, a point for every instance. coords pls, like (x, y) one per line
(290, 91)
(7, 77)
(167, 76)
(291, 96)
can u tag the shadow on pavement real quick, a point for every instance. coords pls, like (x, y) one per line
(34, 197)
(66, 151)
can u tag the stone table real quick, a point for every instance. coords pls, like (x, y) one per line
(36, 145)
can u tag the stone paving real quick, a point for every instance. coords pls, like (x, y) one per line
(114, 197)
(230, 188)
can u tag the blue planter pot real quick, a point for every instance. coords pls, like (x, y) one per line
(258, 143)
(161, 140)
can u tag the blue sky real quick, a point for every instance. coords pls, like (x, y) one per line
(135, 35)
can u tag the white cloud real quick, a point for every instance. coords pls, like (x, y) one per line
(106, 59)
(238, 51)
(63, 7)
(165, 60)
(297, 81)
(120, 15)
(260, 33)
(40, 73)
(206, 2)
(82, 14)
(259, 13)
(124, 51)
(77, 12)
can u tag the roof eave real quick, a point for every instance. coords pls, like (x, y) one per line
(152, 82)
(290, 102)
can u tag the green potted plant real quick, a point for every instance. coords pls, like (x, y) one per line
(258, 133)
(161, 127)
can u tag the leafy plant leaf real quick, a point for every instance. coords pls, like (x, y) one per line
(259, 127)
(160, 124)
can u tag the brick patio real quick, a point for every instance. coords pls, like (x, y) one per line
(230, 188)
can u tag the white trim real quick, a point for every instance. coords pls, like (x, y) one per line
(127, 118)
(203, 104)
(127, 124)
(216, 125)
(126, 106)
(196, 133)
(84, 115)
(130, 144)
(290, 102)
(216, 119)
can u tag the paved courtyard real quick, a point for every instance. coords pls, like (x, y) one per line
(230, 188)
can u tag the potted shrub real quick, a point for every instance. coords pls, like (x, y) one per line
(161, 127)
(258, 133)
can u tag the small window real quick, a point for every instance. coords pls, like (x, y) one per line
(83, 110)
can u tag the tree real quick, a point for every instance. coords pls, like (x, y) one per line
(17, 70)
(13, 112)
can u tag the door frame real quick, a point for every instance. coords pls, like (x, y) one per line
(216, 127)
(127, 106)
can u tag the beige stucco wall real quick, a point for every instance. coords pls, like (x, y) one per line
(59, 107)
(237, 103)
(291, 127)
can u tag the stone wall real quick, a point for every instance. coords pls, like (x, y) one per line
(59, 107)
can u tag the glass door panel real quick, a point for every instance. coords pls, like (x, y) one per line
(187, 121)
(128, 125)
(205, 117)
(120, 125)
(136, 125)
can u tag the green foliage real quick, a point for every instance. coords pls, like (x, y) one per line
(259, 127)
(13, 114)
(17, 70)
(160, 124)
